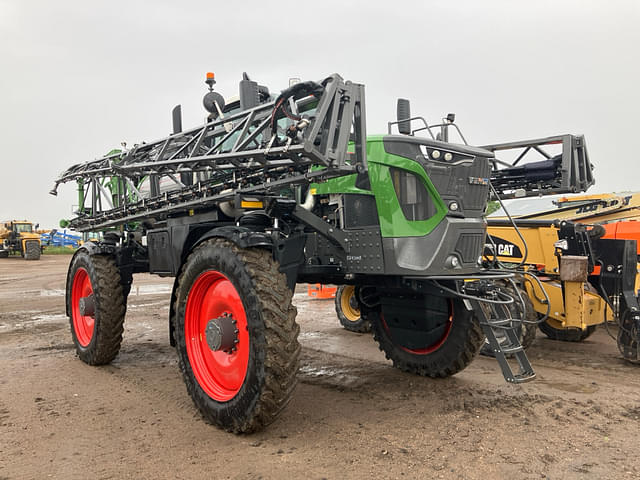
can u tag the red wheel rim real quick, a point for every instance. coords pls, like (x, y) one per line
(219, 374)
(82, 324)
(430, 348)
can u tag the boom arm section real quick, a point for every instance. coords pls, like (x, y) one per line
(259, 150)
(567, 172)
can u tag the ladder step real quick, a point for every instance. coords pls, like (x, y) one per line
(516, 349)
(524, 377)
(499, 322)
(525, 372)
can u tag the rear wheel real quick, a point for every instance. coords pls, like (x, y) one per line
(450, 343)
(96, 307)
(554, 330)
(348, 310)
(32, 250)
(236, 335)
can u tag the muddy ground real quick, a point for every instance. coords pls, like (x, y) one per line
(352, 415)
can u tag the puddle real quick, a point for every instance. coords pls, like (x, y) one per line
(8, 279)
(33, 293)
(322, 371)
(305, 335)
(52, 293)
(337, 377)
(152, 289)
(136, 306)
(37, 320)
(54, 317)
(58, 292)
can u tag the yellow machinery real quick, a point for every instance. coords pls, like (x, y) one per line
(597, 208)
(580, 307)
(586, 271)
(18, 236)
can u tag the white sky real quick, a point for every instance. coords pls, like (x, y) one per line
(79, 77)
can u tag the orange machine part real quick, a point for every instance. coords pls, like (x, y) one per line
(625, 230)
(318, 290)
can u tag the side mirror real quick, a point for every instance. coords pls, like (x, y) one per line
(249, 93)
(176, 118)
(404, 113)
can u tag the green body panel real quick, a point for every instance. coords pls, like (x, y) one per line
(393, 223)
(346, 184)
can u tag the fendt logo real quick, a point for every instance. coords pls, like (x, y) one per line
(504, 248)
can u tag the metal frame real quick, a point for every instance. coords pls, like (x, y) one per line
(258, 161)
(444, 128)
(572, 174)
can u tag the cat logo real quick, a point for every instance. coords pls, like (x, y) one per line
(505, 250)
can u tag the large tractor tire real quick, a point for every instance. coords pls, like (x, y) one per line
(526, 330)
(32, 251)
(348, 310)
(628, 338)
(455, 338)
(554, 330)
(236, 335)
(126, 279)
(96, 307)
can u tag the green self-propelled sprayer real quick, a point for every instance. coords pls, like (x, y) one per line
(275, 190)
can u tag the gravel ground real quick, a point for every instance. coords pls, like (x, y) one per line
(352, 415)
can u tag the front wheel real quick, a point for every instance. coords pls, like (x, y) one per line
(96, 307)
(348, 310)
(443, 344)
(236, 335)
(32, 250)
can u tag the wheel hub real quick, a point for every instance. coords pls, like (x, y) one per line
(221, 333)
(353, 302)
(87, 306)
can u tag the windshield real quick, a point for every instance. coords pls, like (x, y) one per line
(23, 227)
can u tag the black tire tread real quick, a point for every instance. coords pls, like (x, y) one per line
(280, 334)
(528, 335)
(460, 348)
(32, 250)
(110, 309)
(566, 334)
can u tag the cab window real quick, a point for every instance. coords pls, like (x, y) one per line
(23, 228)
(415, 201)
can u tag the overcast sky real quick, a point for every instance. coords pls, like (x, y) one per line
(79, 77)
